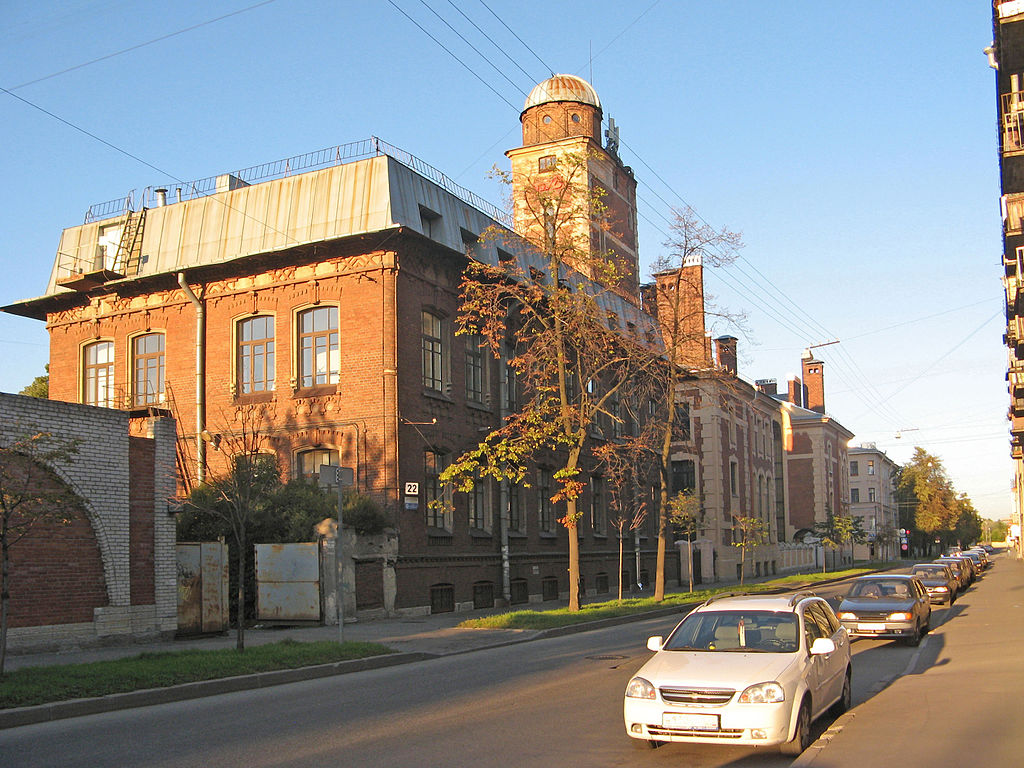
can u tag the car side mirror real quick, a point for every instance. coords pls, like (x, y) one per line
(655, 643)
(823, 646)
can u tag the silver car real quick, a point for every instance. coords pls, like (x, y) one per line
(887, 606)
(752, 670)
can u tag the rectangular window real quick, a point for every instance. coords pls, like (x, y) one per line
(148, 365)
(546, 163)
(515, 509)
(98, 374)
(475, 379)
(598, 506)
(855, 495)
(871, 494)
(545, 514)
(684, 476)
(256, 355)
(854, 469)
(871, 467)
(318, 347)
(433, 351)
(734, 482)
(479, 505)
(434, 463)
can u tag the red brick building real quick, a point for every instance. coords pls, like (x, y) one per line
(321, 294)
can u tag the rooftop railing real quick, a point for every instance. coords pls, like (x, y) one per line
(153, 196)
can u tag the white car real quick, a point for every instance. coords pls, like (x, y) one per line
(753, 670)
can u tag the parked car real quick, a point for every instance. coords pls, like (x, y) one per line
(980, 551)
(889, 606)
(979, 566)
(961, 569)
(753, 670)
(938, 580)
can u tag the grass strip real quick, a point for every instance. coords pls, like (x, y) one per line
(40, 685)
(561, 617)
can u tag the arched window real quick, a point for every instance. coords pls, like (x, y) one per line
(148, 369)
(98, 374)
(319, 360)
(255, 360)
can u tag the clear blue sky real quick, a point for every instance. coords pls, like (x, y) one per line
(853, 145)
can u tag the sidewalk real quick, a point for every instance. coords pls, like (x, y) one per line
(958, 700)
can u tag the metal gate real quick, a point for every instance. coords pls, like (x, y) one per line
(202, 576)
(288, 582)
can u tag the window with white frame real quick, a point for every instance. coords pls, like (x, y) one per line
(255, 361)
(319, 358)
(98, 374)
(148, 369)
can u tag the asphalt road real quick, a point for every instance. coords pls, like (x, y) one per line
(552, 702)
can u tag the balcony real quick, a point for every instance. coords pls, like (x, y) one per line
(1012, 105)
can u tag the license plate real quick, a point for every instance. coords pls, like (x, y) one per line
(690, 722)
(868, 628)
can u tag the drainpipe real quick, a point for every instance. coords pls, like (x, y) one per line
(200, 377)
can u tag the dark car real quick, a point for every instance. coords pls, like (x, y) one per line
(960, 568)
(985, 562)
(938, 580)
(979, 565)
(887, 606)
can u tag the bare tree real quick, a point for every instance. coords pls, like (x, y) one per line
(31, 496)
(241, 492)
(682, 306)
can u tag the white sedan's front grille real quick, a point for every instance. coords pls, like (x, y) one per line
(708, 697)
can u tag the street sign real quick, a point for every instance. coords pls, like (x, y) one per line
(412, 489)
(331, 475)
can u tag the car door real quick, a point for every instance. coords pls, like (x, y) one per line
(833, 665)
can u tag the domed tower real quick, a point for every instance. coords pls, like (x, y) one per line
(562, 115)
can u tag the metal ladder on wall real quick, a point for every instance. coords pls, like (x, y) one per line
(182, 452)
(129, 249)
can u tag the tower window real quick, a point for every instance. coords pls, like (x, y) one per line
(546, 163)
(575, 118)
(547, 119)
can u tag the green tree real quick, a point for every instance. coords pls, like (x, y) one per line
(926, 489)
(570, 358)
(31, 496)
(835, 531)
(682, 306)
(969, 524)
(686, 515)
(749, 532)
(40, 386)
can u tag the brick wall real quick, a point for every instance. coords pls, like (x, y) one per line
(86, 582)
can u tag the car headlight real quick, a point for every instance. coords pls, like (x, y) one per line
(763, 693)
(639, 688)
(847, 616)
(942, 589)
(900, 616)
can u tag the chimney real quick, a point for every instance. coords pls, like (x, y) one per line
(725, 353)
(677, 300)
(767, 386)
(814, 384)
(794, 392)
(161, 197)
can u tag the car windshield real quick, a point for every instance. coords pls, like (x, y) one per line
(745, 631)
(938, 570)
(880, 588)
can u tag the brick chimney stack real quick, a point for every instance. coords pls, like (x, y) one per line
(768, 386)
(794, 391)
(814, 384)
(677, 301)
(725, 353)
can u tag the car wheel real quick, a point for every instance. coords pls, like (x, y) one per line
(645, 744)
(802, 738)
(845, 701)
(914, 639)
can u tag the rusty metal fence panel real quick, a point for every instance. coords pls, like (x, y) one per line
(202, 574)
(287, 582)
